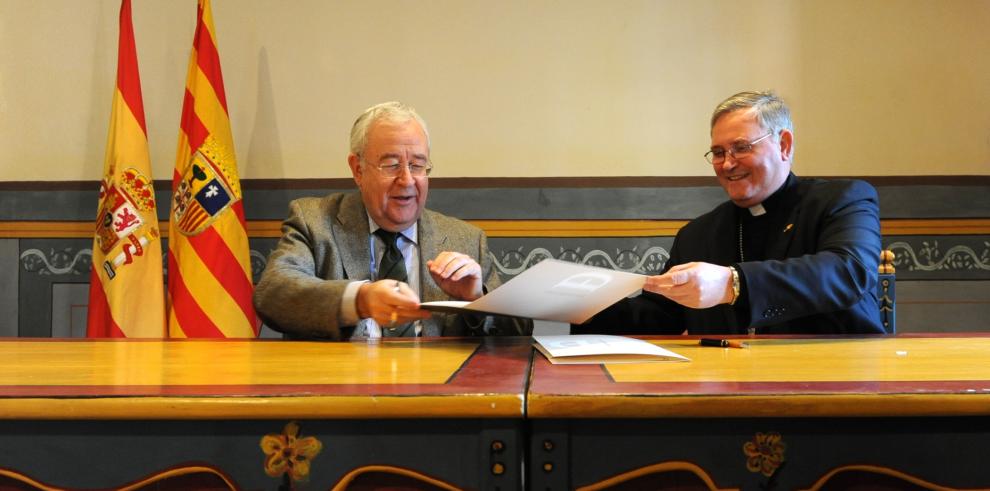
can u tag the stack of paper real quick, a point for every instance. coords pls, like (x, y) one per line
(594, 348)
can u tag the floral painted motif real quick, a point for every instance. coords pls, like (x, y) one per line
(288, 455)
(649, 261)
(764, 453)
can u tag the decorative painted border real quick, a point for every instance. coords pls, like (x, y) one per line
(57, 262)
(65, 261)
(650, 261)
(919, 258)
(929, 257)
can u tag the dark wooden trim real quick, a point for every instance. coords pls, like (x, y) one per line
(93, 186)
(676, 181)
(508, 182)
(920, 180)
(571, 182)
(496, 182)
(281, 184)
(519, 228)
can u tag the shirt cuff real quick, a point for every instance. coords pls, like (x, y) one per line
(348, 303)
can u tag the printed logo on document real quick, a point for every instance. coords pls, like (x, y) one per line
(581, 284)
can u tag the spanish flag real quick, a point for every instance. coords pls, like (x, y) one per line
(209, 267)
(126, 287)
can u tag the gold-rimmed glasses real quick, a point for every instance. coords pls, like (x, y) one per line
(716, 156)
(393, 168)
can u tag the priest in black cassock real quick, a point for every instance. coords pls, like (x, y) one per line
(785, 255)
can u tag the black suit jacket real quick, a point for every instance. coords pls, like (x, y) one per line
(820, 276)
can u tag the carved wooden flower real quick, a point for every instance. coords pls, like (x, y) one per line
(764, 453)
(288, 454)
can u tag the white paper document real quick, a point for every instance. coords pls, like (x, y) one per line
(552, 290)
(595, 348)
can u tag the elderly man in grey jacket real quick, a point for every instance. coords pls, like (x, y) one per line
(358, 264)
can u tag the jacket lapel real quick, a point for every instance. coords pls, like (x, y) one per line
(431, 243)
(780, 238)
(782, 235)
(351, 231)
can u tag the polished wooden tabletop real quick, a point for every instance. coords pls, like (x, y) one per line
(779, 377)
(487, 378)
(176, 379)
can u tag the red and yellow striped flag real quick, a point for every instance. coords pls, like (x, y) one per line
(126, 287)
(209, 267)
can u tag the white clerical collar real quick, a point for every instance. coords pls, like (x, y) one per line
(757, 210)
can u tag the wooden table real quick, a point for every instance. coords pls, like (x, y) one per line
(194, 413)
(785, 413)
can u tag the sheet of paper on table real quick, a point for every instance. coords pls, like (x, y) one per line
(595, 348)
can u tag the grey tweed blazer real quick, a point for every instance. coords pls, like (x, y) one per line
(324, 246)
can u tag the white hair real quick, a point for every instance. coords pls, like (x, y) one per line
(394, 112)
(771, 111)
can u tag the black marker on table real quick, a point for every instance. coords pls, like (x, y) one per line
(722, 343)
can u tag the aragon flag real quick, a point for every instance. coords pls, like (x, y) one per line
(126, 288)
(209, 267)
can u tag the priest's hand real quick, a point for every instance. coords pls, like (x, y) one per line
(695, 285)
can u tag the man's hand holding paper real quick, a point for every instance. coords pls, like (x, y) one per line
(552, 290)
(389, 302)
(697, 285)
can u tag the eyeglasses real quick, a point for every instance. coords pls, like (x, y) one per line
(716, 156)
(393, 168)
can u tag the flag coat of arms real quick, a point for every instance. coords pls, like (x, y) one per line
(209, 267)
(126, 289)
